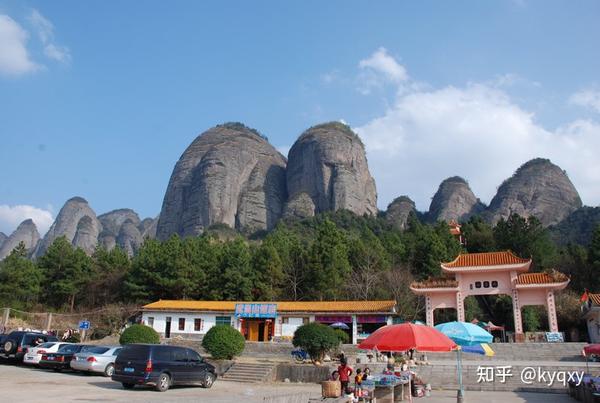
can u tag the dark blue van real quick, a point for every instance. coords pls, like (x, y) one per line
(161, 366)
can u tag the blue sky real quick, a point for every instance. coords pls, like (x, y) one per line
(99, 99)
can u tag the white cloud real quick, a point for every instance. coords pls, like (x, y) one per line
(379, 69)
(12, 216)
(14, 57)
(475, 131)
(586, 98)
(45, 31)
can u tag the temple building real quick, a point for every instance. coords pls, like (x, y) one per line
(492, 273)
(266, 321)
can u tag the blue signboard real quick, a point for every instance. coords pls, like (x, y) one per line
(255, 310)
(554, 337)
(84, 325)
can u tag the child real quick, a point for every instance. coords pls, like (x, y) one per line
(335, 376)
(357, 383)
(345, 371)
(366, 374)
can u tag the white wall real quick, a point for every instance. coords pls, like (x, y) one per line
(288, 329)
(160, 319)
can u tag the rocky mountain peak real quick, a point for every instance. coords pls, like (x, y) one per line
(398, 211)
(77, 222)
(229, 174)
(454, 200)
(3, 237)
(538, 188)
(327, 171)
(26, 232)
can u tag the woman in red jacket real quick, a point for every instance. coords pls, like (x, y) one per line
(345, 372)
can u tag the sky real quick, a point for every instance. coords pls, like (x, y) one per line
(99, 99)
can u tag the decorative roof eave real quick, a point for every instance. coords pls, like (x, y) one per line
(555, 286)
(475, 269)
(287, 313)
(432, 290)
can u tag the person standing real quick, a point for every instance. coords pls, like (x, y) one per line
(345, 372)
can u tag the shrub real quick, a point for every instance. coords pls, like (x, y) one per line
(342, 336)
(139, 334)
(317, 339)
(223, 342)
(73, 338)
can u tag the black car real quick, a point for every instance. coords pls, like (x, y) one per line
(62, 358)
(161, 366)
(15, 344)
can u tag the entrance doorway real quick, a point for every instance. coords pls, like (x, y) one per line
(257, 329)
(168, 327)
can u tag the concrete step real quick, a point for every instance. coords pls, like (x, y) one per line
(249, 372)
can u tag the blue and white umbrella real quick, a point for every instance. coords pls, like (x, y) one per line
(465, 334)
(340, 325)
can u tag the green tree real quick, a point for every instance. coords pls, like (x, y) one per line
(479, 235)
(268, 272)
(223, 342)
(329, 268)
(20, 279)
(528, 239)
(369, 260)
(139, 334)
(109, 269)
(67, 271)
(237, 277)
(316, 339)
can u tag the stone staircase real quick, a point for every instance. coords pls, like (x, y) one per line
(566, 352)
(250, 372)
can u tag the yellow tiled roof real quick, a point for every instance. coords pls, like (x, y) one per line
(485, 259)
(595, 298)
(541, 278)
(282, 306)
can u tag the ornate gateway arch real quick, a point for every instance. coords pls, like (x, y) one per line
(491, 273)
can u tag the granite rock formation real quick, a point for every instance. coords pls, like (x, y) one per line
(398, 211)
(538, 188)
(26, 232)
(454, 200)
(230, 174)
(129, 237)
(327, 171)
(122, 227)
(148, 227)
(3, 237)
(78, 223)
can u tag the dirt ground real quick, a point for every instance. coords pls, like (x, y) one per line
(24, 384)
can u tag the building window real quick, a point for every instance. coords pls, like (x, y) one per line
(150, 321)
(486, 284)
(197, 325)
(223, 320)
(305, 321)
(478, 284)
(181, 323)
(285, 320)
(494, 284)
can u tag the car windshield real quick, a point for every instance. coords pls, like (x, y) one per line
(97, 350)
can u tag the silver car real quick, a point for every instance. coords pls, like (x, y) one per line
(97, 359)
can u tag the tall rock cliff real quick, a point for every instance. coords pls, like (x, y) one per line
(327, 171)
(77, 222)
(230, 174)
(3, 237)
(538, 188)
(121, 227)
(148, 227)
(398, 211)
(454, 200)
(26, 232)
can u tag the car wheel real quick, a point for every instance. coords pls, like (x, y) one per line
(128, 385)
(208, 380)
(163, 383)
(8, 346)
(109, 370)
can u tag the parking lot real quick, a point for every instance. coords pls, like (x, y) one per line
(25, 384)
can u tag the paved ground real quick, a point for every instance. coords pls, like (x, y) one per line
(24, 384)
